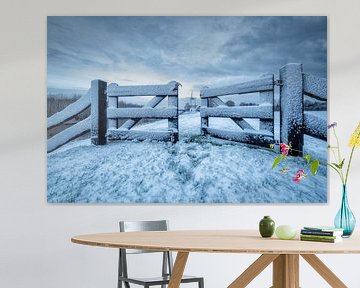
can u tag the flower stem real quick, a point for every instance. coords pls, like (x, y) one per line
(338, 146)
(337, 171)
(339, 160)
(348, 167)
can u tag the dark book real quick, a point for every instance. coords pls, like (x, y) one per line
(321, 233)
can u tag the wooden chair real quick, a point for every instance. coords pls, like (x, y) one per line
(167, 262)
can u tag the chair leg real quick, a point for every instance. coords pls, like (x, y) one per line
(201, 283)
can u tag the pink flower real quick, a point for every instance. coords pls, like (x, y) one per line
(284, 149)
(300, 174)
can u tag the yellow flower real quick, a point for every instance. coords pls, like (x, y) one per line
(355, 138)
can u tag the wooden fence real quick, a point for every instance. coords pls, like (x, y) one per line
(294, 121)
(103, 124)
(264, 111)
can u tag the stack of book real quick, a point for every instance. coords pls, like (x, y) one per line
(321, 234)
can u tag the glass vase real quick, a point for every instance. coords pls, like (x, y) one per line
(345, 219)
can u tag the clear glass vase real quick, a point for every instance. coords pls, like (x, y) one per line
(345, 219)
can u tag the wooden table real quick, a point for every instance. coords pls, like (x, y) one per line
(284, 254)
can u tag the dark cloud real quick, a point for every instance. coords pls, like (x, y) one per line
(191, 50)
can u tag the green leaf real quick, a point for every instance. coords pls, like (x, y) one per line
(307, 157)
(276, 161)
(342, 164)
(272, 146)
(314, 167)
(336, 165)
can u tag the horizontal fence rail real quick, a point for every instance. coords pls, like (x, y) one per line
(142, 90)
(260, 138)
(162, 113)
(69, 134)
(315, 87)
(315, 126)
(124, 134)
(261, 112)
(259, 85)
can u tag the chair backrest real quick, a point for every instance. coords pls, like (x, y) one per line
(134, 226)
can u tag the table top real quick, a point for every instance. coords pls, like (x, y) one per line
(217, 241)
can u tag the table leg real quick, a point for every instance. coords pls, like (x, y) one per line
(253, 270)
(324, 271)
(178, 269)
(286, 271)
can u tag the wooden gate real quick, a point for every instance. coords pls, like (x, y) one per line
(263, 111)
(294, 121)
(134, 115)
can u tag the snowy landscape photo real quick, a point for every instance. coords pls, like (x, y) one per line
(186, 110)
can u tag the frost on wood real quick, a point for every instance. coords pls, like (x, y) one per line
(315, 87)
(262, 112)
(315, 126)
(98, 112)
(258, 85)
(171, 88)
(159, 113)
(69, 112)
(69, 134)
(121, 134)
(291, 101)
(259, 138)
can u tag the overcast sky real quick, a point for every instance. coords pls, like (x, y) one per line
(194, 51)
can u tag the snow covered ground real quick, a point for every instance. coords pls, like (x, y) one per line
(197, 169)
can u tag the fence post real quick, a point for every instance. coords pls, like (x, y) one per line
(173, 123)
(204, 120)
(291, 106)
(98, 112)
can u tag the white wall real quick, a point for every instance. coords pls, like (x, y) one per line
(35, 248)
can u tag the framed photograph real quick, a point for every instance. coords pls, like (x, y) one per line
(197, 110)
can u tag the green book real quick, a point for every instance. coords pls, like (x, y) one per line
(325, 240)
(319, 236)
